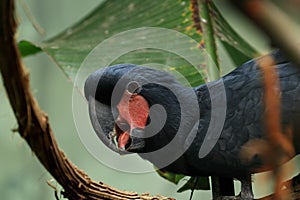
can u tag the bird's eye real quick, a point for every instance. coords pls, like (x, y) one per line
(133, 87)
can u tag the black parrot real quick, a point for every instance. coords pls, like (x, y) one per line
(213, 129)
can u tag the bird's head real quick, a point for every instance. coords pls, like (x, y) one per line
(136, 109)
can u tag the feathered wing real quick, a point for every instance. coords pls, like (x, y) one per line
(244, 120)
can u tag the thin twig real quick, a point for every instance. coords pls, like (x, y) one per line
(30, 16)
(280, 144)
(194, 187)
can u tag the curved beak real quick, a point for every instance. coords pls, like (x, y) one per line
(104, 125)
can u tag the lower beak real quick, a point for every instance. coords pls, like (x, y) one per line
(137, 142)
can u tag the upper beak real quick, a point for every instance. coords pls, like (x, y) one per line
(103, 123)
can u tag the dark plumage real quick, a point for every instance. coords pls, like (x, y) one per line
(244, 118)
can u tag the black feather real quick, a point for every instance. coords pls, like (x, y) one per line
(244, 114)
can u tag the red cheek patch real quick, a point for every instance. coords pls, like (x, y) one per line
(134, 109)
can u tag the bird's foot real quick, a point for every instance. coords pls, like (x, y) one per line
(229, 198)
(246, 195)
(238, 197)
(246, 190)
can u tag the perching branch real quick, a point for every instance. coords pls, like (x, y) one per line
(34, 126)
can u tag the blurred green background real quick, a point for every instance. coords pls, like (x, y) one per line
(22, 177)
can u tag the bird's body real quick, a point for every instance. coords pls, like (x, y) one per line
(239, 148)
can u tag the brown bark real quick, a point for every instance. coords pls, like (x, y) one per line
(280, 144)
